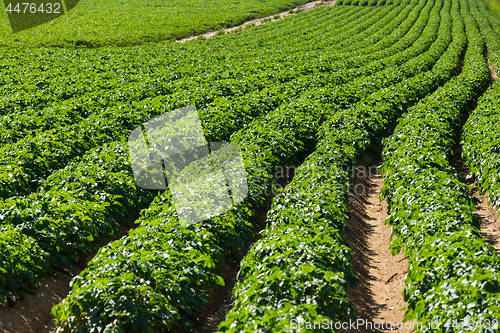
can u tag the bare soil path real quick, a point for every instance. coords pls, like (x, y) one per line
(263, 20)
(378, 298)
(33, 313)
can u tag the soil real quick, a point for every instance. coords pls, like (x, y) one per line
(486, 214)
(221, 301)
(494, 75)
(378, 298)
(263, 20)
(32, 314)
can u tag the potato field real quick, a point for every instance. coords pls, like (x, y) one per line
(313, 95)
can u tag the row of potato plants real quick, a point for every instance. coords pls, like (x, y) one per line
(481, 132)
(159, 275)
(368, 2)
(27, 162)
(300, 268)
(35, 120)
(52, 228)
(114, 260)
(452, 284)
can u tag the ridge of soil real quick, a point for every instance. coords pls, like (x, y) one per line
(493, 73)
(378, 298)
(259, 21)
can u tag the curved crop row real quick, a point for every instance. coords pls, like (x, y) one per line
(109, 73)
(196, 70)
(453, 272)
(56, 236)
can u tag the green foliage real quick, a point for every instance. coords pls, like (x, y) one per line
(332, 81)
(280, 137)
(481, 132)
(494, 7)
(273, 287)
(96, 193)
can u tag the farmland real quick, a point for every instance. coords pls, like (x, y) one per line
(407, 87)
(102, 22)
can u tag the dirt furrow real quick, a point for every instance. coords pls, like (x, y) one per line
(33, 313)
(378, 298)
(485, 213)
(263, 20)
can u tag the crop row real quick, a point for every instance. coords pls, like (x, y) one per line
(112, 262)
(300, 268)
(453, 272)
(481, 132)
(62, 221)
(58, 75)
(119, 85)
(27, 162)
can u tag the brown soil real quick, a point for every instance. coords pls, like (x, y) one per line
(493, 76)
(221, 301)
(32, 314)
(487, 215)
(221, 297)
(263, 20)
(378, 297)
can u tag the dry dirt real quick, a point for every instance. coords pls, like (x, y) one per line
(381, 275)
(487, 215)
(32, 314)
(260, 21)
(493, 76)
(221, 301)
